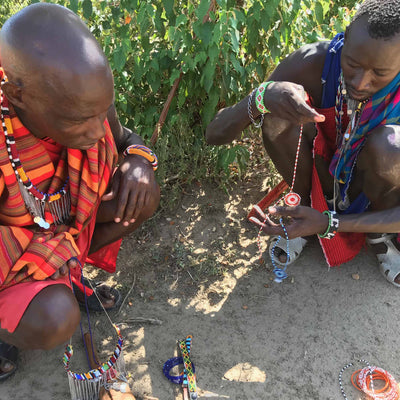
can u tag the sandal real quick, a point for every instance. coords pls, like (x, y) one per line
(389, 262)
(92, 301)
(296, 246)
(8, 355)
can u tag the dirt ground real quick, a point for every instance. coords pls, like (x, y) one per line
(196, 270)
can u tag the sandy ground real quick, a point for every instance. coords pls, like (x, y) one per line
(196, 269)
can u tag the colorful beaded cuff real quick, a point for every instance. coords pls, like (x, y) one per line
(260, 97)
(143, 151)
(250, 112)
(97, 372)
(333, 225)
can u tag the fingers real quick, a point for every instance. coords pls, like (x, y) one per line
(305, 113)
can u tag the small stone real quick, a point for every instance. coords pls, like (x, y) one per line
(356, 277)
(266, 285)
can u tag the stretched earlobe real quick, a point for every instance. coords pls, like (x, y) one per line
(13, 92)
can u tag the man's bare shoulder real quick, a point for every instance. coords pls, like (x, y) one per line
(304, 67)
(306, 59)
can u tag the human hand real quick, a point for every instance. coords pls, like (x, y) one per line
(64, 269)
(132, 187)
(288, 100)
(301, 221)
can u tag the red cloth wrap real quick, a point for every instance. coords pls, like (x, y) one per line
(344, 246)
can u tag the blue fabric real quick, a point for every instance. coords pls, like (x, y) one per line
(331, 72)
(330, 81)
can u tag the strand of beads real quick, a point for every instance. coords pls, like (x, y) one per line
(290, 199)
(363, 380)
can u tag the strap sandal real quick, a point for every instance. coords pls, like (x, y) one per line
(389, 262)
(8, 360)
(296, 246)
(92, 301)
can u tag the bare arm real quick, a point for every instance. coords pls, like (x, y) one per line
(285, 98)
(123, 136)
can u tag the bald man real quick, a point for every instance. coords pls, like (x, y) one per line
(62, 194)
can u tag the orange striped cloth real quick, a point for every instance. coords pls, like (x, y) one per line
(26, 251)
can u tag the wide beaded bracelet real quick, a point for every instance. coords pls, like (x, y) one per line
(333, 225)
(260, 97)
(143, 151)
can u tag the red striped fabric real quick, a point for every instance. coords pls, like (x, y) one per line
(26, 251)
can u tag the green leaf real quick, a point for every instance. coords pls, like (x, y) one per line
(319, 12)
(169, 8)
(209, 108)
(202, 9)
(119, 58)
(181, 20)
(87, 8)
(73, 5)
(207, 78)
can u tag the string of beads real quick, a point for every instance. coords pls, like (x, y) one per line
(363, 380)
(290, 199)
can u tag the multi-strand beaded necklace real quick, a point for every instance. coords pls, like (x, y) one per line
(343, 137)
(58, 204)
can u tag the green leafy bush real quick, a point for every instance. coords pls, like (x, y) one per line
(223, 48)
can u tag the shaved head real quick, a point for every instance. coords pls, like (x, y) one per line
(59, 80)
(48, 38)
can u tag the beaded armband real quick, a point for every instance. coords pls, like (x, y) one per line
(333, 225)
(260, 98)
(250, 112)
(143, 151)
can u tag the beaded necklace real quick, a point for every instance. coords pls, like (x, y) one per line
(290, 199)
(58, 204)
(343, 137)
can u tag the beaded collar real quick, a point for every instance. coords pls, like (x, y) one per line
(58, 204)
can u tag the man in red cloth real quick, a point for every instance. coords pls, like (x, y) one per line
(345, 94)
(73, 181)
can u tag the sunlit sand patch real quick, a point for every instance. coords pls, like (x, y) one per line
(245, 372)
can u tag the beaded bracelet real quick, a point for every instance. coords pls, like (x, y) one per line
(143, 151)
(260, 97)
(333, 225)
(250, 112)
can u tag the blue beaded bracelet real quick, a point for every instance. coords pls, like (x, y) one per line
(171, 363)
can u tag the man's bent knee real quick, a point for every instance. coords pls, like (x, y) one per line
(379, 163)
(50, 320)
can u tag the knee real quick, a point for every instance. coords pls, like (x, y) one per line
(153, 204)
(380, 158)
(54, 316)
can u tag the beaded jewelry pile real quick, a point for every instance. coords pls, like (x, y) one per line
(363, 380)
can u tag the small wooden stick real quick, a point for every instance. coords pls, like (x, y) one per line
(164, 112)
